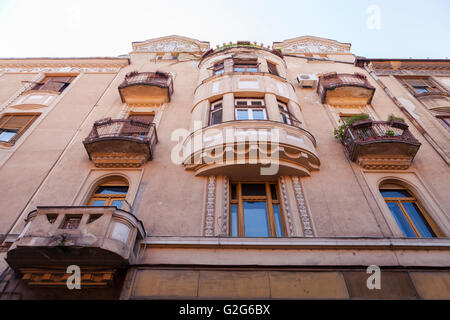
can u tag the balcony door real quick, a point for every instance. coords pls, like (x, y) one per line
(138, 131)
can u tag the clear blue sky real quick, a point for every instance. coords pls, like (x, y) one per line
(86, 28)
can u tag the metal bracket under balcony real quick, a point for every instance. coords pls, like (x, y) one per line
(342, 88)
(121, 143)
(97, 239)
(380, 144)
(146, 88)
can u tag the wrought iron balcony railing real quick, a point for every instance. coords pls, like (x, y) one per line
(369, 142)
(121, 140)
(144, 80)
(335, 80)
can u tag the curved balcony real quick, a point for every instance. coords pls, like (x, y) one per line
(56, 237)
(251, 149)
(121, 143)
(146, 88)
(344, 88)
(380, 144)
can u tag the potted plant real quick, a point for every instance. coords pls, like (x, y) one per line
(359, 121)
(397, 122)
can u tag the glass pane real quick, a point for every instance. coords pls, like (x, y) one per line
(233, 191)
(112, 190)
(98, 203)
(5, 136)
(258, 115)
(117, 203)
(419, 220)
(242, 114)
(252, 69)
(401, 220)
(256, 103)
(420, 89)
(278, 225)
(221, 71)
(395, 193)
(256, 223)
(253, 190)
(234, 221)
(239, 69)
(216, 117)
(241, 103)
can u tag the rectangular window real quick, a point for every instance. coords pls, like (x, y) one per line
(14, 125)
(284, 113)
(445, 121)
(54, 83)
(255, 210)
(421, 85)
(245, 65)
(219, 68)
(272, 68)
(215, 114)
(250, 109)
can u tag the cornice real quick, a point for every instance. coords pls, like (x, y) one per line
(76, 65)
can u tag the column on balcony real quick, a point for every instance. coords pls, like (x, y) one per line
(228, 107)
(228, 65)
(273, 113)
(262, 65)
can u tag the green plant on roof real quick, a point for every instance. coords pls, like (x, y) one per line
(391, 117)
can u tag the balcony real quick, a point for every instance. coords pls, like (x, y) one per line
(344, 88)
(99, 240)
(250, 149)
(121, 143)
(380, 144)
(146, 88)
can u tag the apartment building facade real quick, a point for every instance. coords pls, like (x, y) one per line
(290, 171)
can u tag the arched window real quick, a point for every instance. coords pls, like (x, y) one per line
(408, 212)
(110, 192)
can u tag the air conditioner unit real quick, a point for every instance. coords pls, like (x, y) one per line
(307, 80)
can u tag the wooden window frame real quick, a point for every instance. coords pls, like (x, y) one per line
(283, 109)
(52, 78)
(7, 116)
(219, 66)
(272, 67)
(427, 82)
(250, 106)
(239, 202)
(412, 199)
(445, 121)
(109, 198)
(212, 111)
(245, 64)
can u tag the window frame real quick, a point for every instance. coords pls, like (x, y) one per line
(412, 199)
(213, 110)
(110, 197)
(272, 67)
(219, 68)
(51, 78)
(284, 110)
(249, 107)
(269, 201)
(245, 64)
(4, 118)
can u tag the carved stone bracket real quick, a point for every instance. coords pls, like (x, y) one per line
(210, 206)
(286, 207)
(304, 216)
